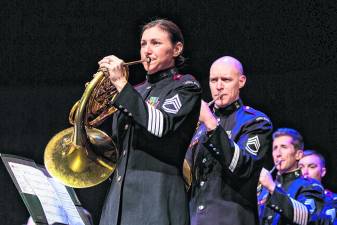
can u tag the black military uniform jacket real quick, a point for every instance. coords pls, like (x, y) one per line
(226, 165)
(153, 128)
(296, 200)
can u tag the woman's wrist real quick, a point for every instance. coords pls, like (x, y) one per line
(120, 84)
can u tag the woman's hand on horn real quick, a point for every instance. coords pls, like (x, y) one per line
(114, 68)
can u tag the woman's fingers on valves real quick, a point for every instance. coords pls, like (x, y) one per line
(110, 62)
(111, 65)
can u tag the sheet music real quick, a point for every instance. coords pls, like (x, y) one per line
(74, 217)
(55, 200)
(19, 173)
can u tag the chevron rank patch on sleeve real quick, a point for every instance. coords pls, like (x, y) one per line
(253, 145)
(331, 213)
(172, 105)
(310, 203)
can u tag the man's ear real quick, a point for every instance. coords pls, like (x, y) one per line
(178, 48)
(242, 80)
(299, 154)
(323, 172)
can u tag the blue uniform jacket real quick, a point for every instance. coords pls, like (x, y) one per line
(296, 200)
(226, 165)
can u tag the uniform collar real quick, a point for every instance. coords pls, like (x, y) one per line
(228, 109)
(153, 78)
(287, 177)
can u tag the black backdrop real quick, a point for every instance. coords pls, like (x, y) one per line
(49, 49)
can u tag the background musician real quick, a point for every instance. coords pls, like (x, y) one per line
(227, 152)
(290, 199)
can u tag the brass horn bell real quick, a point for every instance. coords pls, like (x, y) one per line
(83, 156)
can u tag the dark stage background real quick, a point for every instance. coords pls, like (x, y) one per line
(49, 49)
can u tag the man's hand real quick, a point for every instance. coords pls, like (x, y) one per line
(206, 116)
(266, 180)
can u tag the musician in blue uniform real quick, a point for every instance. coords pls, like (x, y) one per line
(312, 165)
(291, 198)
(227, 152)
(152, 129)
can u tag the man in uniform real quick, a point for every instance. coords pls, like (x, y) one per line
(227, 152)
(312, 165)
(290, 199)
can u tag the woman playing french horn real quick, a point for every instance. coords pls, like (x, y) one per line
(152, 130)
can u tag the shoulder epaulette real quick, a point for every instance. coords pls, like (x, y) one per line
(177, 76)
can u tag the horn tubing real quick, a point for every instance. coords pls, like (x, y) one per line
(148, 60)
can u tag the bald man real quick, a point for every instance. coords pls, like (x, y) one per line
(227, 152)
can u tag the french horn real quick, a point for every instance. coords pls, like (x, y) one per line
(83, 156)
